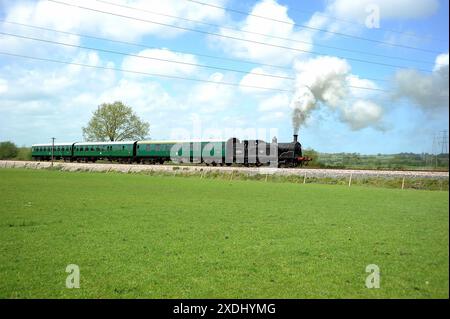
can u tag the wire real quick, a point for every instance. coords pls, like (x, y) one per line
(165, 75)
(267, 35)
(235, 38)
(312, 28)
(144, 57)
(141, 45)
(140, 72)
(363, 25)
(149, 47)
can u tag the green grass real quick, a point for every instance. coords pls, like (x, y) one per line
(172, 237)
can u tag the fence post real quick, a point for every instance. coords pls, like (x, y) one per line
(266, 177)
(403, 183)
(231, 177)
(304, 179)
(350, 180)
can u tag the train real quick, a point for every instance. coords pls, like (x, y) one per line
(208, 152)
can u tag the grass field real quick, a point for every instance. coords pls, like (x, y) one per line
(185, 237)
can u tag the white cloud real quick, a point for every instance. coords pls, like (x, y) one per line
(143, 96)
(211, 97)
(3, 86)
(271, 117)
(66, 18)
(65, 96)
(441, 63)
(254, 78)
(274, 103)
(159, 66)
(338, 13)
(283, 31)
(399, 9)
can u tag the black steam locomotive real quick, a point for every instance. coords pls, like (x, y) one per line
(257, 152)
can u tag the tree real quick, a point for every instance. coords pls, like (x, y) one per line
(8, 150)
(115, 122)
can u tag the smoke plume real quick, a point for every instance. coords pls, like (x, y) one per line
(304, 102)
(327, 81)
(428, 91)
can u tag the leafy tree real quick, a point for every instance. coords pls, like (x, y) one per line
(8, 150)
(115, 122)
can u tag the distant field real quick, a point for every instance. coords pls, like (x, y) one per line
(138, 236)
(402, 161)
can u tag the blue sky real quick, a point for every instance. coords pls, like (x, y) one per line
(405, 107)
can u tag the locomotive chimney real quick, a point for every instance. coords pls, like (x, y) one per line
(295, 138)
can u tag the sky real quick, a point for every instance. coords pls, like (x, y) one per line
(359, 76)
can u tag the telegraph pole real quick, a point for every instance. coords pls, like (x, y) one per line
(434, 151)
(53, 148)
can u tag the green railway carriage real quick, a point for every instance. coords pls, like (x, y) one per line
(43, 152)
(205, 151)
(92, 151)
(154, 151)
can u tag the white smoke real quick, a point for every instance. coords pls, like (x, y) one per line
(303, 103)
(428, 91)
(328, 81)
(361, 114)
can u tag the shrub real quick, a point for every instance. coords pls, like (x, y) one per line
(8, 150)
(23, 154)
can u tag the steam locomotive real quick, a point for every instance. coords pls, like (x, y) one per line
(209, 152)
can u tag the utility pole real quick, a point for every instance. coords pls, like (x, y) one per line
(434, 151)
(444, 146)
(53, 148)
(444, 142)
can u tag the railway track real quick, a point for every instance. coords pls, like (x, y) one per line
(308, 172)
